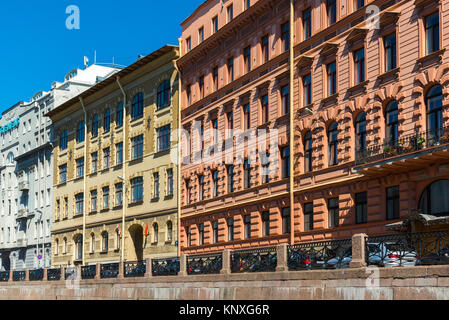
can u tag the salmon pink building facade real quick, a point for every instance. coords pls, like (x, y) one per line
(370, 114)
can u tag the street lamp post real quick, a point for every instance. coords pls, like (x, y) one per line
(38, 235)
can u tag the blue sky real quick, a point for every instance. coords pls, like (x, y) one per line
(37, 48)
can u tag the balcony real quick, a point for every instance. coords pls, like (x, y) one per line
(22, 214)
(24, 185)
(22, 242)
(407, 153)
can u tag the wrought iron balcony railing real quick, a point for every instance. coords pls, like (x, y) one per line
(88, 272)
(4, 276)
(54, 274)
(37, 275)
(206, 264)
(165, 267)
(320, 255)
(109, 270)
(261, 260)
(404, 145)
(135, 269)
(18, 275)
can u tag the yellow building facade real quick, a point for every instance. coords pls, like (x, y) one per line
(115, 184)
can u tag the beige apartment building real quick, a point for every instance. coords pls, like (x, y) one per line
(115, 184)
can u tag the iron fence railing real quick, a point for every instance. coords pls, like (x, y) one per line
(19, 275)
(205, 264)
(403, 145)
(165, 266)
(135, 269)
(410, 249)
(335, 254)
(88, 272)
(109, 270)
(54, 274)
(71, 273)
(261, 260)
(37, 275)
(4, 276)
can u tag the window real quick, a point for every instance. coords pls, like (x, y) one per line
(434, 199)
(247, 174)
(63, 173)
(307, 23)
(119, 153)
(137, 190)
(215, 78)
(359, 4)
(215, 231)
(331, 78)
(137, 106)
(170, 182)
(230, 70)
(230, 11)
(265, 110)
(119, 115)
(117, 239)
(434, 106)
(119, 194)
(308, 216)
(104, 241)
(189, 44)
(93, 199)
(215, 183)
(79, 203)
(189, 94)
(137, 147)
(201, 234)
(285, 220)
(285, 157)
(332, 136)
(307, 89)
(156, 185)
(169, 231)
(187, 191)
(201, 186)
(265, 224)
(155, 233)
(163, 95)
(230, 179)
(105, 198)
(95, 126)
(78, 247)
(331, 8)
(247, 4)
(247, 59)
(285, 98)
(285, 36)
(230, 223)
(94, 160)
(247, 222)
(265, 49)
(308, 152)
(80, 132)
(360, 131)
(361, 208)
(359, 66)
(201, 85)
(107, 121)
(92, 243)
(432, 32)
(215, 129)
(391, 124)
(246, 117)
(163, 138)
(214, 24)
(392, 195)
(188, 237)
(265, 168)
(107, 158)
(201, 34)
(333, 207)
(80, 168)
(390, 52)
(63, 141)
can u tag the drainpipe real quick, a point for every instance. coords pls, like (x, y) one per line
(125, 184)
(85, 180)
(292, 114)
(178, 165)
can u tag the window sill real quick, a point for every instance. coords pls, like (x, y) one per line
(391, 73)
(330, 99)
(358, 87)
(134, 204)
(437, 55)
(162, 152)
(93, 212)
(264, 125)
(104, 252)
(119, 206)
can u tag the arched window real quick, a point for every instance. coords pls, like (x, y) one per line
(79, 247)
(63, 142)
(360, 132)
(169, 231)
(119, 116)
(10, 158)
(104, 241)
(80, 132)
(434, 105)
(308, 151)
(163, 95)
(391, 123)
(56, 246)
(65, 246)
(95, 126)
(117, 238)
(155, 233)
(434, 200)
(92, 243)
(107, 120)
(332, 135)
(137, 106)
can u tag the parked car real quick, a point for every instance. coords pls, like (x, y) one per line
(440, 257)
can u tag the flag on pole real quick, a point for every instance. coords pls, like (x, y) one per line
(118, 230)
(146, 230)
(86, 62)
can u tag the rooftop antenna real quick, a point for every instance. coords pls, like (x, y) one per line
(95, 57)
